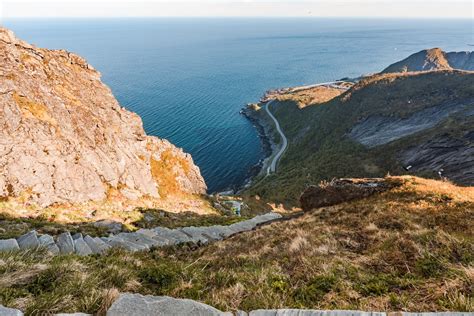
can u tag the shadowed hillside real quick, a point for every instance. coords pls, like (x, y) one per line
(385, 123)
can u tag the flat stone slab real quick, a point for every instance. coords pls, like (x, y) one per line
(135, 304)
(97, 246)
(115, 241)
(141, 239)
(196, 234)
(243, 226)
(46, 240)
(174, 235)
(309, 312)
(53, 248)
(28, 240)
(81, 248)
(9, 245)
(5, 311)
(217, 232)
(65, 243)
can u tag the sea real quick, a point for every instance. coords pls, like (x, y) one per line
(188, 78)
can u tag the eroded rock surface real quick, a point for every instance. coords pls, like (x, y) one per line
(65, 139)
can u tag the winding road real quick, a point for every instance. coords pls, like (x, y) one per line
(272, 167)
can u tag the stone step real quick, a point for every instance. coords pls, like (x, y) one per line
(143, 239)
(196, 235)
(139, 239)
(28, 240)
(216, 232)
(81, 248)
(174, 235)
(309, 312)
(94, 246)
(119, 242)
(243, 226)
(101, 244)
(9, 245)
(46, 240)
(65, 243)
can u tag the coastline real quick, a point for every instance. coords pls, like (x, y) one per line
(269, 146)
(256, 115)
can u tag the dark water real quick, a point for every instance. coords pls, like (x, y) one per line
(188, 78)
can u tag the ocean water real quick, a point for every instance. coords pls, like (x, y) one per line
(188, 78)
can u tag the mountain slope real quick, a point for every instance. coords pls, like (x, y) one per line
(408, 249)
(433, 59)
(384, 123)
(65, 139)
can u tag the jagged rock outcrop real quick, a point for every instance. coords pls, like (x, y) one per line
(65, 139)
(433, 59)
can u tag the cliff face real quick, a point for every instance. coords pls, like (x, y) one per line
(65, 138)
(433, 59)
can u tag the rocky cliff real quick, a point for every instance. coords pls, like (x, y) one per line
(433, 59)
(65, 139)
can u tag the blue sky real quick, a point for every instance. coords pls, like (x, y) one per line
(226, 8)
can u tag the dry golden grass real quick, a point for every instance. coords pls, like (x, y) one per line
(409, 249)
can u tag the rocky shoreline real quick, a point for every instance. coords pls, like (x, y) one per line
(267, 143)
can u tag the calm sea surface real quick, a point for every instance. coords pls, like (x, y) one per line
(188, 78)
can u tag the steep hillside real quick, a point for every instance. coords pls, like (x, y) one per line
(409, 248)
(433, 59)
(65, 139)
(385, 123)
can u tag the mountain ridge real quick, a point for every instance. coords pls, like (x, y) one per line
(433, 59)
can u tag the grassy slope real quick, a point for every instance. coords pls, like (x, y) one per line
(318, 147)
(407, 249)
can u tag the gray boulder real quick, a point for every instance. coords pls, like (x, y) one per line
(136, 304)
(28, 240)
(5, 311)
(65, 243)
(8, 245)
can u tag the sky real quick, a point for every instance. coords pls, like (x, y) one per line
(238, 8)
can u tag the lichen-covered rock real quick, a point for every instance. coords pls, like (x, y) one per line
(65, 139)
